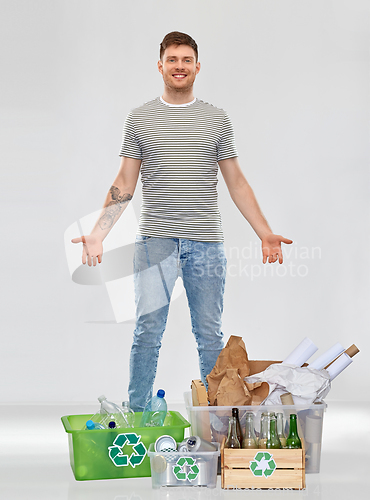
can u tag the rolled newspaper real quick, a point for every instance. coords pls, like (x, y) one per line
(327, 357)
(301, 353)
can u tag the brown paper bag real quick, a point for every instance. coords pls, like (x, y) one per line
(233, 356)
(232, 391)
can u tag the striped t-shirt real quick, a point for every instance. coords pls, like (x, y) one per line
(179, 146)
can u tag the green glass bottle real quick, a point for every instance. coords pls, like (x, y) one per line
(273, 440)
(293, 440)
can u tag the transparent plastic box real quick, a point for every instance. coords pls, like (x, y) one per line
(211, 424)
(115, 453)
(173, 468)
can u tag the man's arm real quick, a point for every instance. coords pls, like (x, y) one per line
(244, 198)
(120, 193)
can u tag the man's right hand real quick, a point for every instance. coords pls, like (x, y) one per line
(92, 248)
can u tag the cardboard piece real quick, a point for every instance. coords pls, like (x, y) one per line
(199, 393)
(199, 397)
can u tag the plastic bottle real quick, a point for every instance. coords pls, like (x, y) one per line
(90, 425)
(155, 411)
(128, 413)
(110, 412)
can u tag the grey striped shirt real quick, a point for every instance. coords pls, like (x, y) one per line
(179, 147)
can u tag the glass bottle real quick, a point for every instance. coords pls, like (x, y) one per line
(239, 433)
(250, 440)
(293, 440)
(264, 430)
(273, 440)
(232, 440)
(280, 429)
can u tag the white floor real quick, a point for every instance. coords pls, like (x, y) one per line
(34, 460)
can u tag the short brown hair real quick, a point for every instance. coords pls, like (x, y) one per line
(177, 38)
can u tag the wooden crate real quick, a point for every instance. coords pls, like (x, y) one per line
(288, 468)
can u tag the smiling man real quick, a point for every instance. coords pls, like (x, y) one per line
(177, 143)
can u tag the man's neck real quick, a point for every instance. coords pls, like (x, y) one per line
(177, 97)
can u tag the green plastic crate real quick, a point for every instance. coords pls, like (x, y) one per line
(115, 453)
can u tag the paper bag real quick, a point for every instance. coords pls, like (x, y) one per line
(232, 357)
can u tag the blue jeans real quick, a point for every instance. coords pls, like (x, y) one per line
(158, 262)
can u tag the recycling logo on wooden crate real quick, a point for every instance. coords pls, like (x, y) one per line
(263, 464)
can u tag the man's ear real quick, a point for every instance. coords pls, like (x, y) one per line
(197, 68)
(160, 67)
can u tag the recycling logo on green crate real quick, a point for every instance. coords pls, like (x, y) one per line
(263, 464)
(186, 468)
(116, 450)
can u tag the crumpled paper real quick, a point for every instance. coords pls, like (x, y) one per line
(226, 386)
(225, 382)
(306, 384)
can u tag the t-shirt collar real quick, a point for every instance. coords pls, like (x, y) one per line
(177, 105)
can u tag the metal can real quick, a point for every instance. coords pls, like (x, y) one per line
(195, 443)
(159, 464)
(165, 443)
(182, 447)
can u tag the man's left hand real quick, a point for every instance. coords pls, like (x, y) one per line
(271, 247)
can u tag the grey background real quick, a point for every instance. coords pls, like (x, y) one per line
(294, 78)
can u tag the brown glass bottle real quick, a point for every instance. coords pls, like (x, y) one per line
(239, 433)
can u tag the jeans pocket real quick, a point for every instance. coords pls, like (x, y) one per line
(142, 239)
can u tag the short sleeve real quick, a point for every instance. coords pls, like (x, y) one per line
(130, 146)
(226, 147)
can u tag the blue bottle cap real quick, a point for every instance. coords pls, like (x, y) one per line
(112, 425)
(161, 393)
(90, 425)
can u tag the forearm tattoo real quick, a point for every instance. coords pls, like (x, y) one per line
(114, 207)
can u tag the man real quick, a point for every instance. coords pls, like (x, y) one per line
(177, 143)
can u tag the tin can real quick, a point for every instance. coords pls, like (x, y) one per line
(182, 447)
(159, 464)
(165, 443)
(195, 443)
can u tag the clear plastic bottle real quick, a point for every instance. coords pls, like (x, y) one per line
(155, 411)
(90, 425)
(128, 413)
(110, 412)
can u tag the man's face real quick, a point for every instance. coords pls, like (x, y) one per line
(179, 67)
